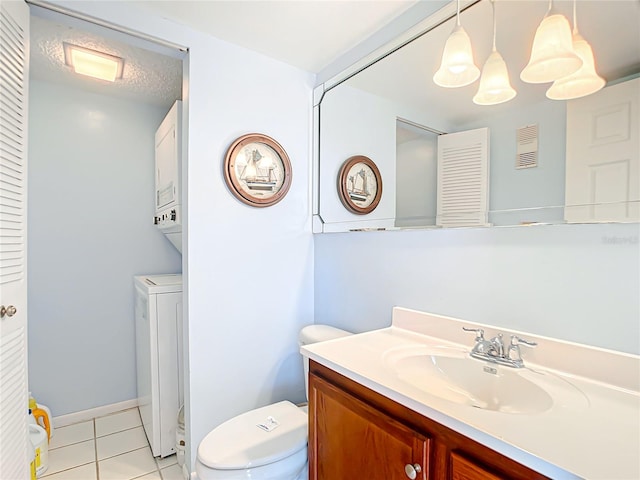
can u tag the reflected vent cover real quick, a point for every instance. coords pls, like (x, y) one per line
(527, 146)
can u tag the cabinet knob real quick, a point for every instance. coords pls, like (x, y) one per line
(9, 311)
(412, 471)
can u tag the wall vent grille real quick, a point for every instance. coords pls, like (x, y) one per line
(527, 149)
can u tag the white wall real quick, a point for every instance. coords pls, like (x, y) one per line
(91, 164)
(248, 271)
(575, 282)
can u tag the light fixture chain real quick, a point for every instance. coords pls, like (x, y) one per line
(493, 6)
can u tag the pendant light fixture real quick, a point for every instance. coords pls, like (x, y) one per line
(552, 55)
(583, 82)
(495, 86)
(457, 68)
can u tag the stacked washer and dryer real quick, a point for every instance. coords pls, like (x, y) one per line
(158, 303)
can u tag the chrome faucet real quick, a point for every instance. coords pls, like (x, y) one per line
(494, 350)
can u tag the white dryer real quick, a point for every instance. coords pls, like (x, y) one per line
(159, 364)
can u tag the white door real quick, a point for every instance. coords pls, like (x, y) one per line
(603, 161)
(14, 78)
(463, 179)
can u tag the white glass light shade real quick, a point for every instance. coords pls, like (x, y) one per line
(457, 68)
(494, 83)
(581, 83)
(552, 55)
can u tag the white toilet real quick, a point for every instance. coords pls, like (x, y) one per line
(268, 443)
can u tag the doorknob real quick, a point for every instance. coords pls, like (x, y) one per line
(412, 471)
(9, 311)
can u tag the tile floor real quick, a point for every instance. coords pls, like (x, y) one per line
(113, 447)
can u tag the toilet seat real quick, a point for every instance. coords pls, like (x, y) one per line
(240, 443)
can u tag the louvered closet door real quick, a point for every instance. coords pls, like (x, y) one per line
(463, 179)
(14, 31)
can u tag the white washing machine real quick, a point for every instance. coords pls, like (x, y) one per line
(159, 358)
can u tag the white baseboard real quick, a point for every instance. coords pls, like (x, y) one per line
(85, 415)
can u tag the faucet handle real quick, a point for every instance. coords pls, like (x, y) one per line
(516, 340)
(479, 333)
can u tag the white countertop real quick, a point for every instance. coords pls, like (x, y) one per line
(594, 435)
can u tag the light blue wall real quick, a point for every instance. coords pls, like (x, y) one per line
(91, 164)
(575, 282)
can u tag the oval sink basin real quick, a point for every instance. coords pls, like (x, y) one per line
(453, 376)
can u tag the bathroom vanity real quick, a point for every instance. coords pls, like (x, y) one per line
(409, 402)
(358, 433)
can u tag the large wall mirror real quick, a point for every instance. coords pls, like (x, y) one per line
(542, 161)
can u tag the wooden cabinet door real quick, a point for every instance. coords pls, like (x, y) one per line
(464, 469)
(349, 439)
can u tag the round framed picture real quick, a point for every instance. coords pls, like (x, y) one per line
(359, 185)
(257, 170)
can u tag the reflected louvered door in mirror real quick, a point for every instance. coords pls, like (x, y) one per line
(463, 179)
(14, 42)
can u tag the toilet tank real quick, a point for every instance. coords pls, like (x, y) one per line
(314, 334)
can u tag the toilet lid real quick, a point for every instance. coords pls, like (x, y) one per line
(241, 443)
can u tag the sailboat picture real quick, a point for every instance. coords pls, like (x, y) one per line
(359, 185)
(357, 189)
(258, 173)
(257, 170)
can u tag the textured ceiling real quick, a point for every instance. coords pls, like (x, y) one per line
(309, 34)
(148, 76)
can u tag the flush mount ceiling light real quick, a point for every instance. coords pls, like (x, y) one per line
(457, 68)
(583, 82)
(92, 63)
(495, 86)
(552, 55)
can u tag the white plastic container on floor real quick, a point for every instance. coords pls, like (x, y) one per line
(40, 441)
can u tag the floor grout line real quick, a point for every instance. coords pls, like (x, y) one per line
(118, 454)
(69, 444)
(119, 431)
(48, 474)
